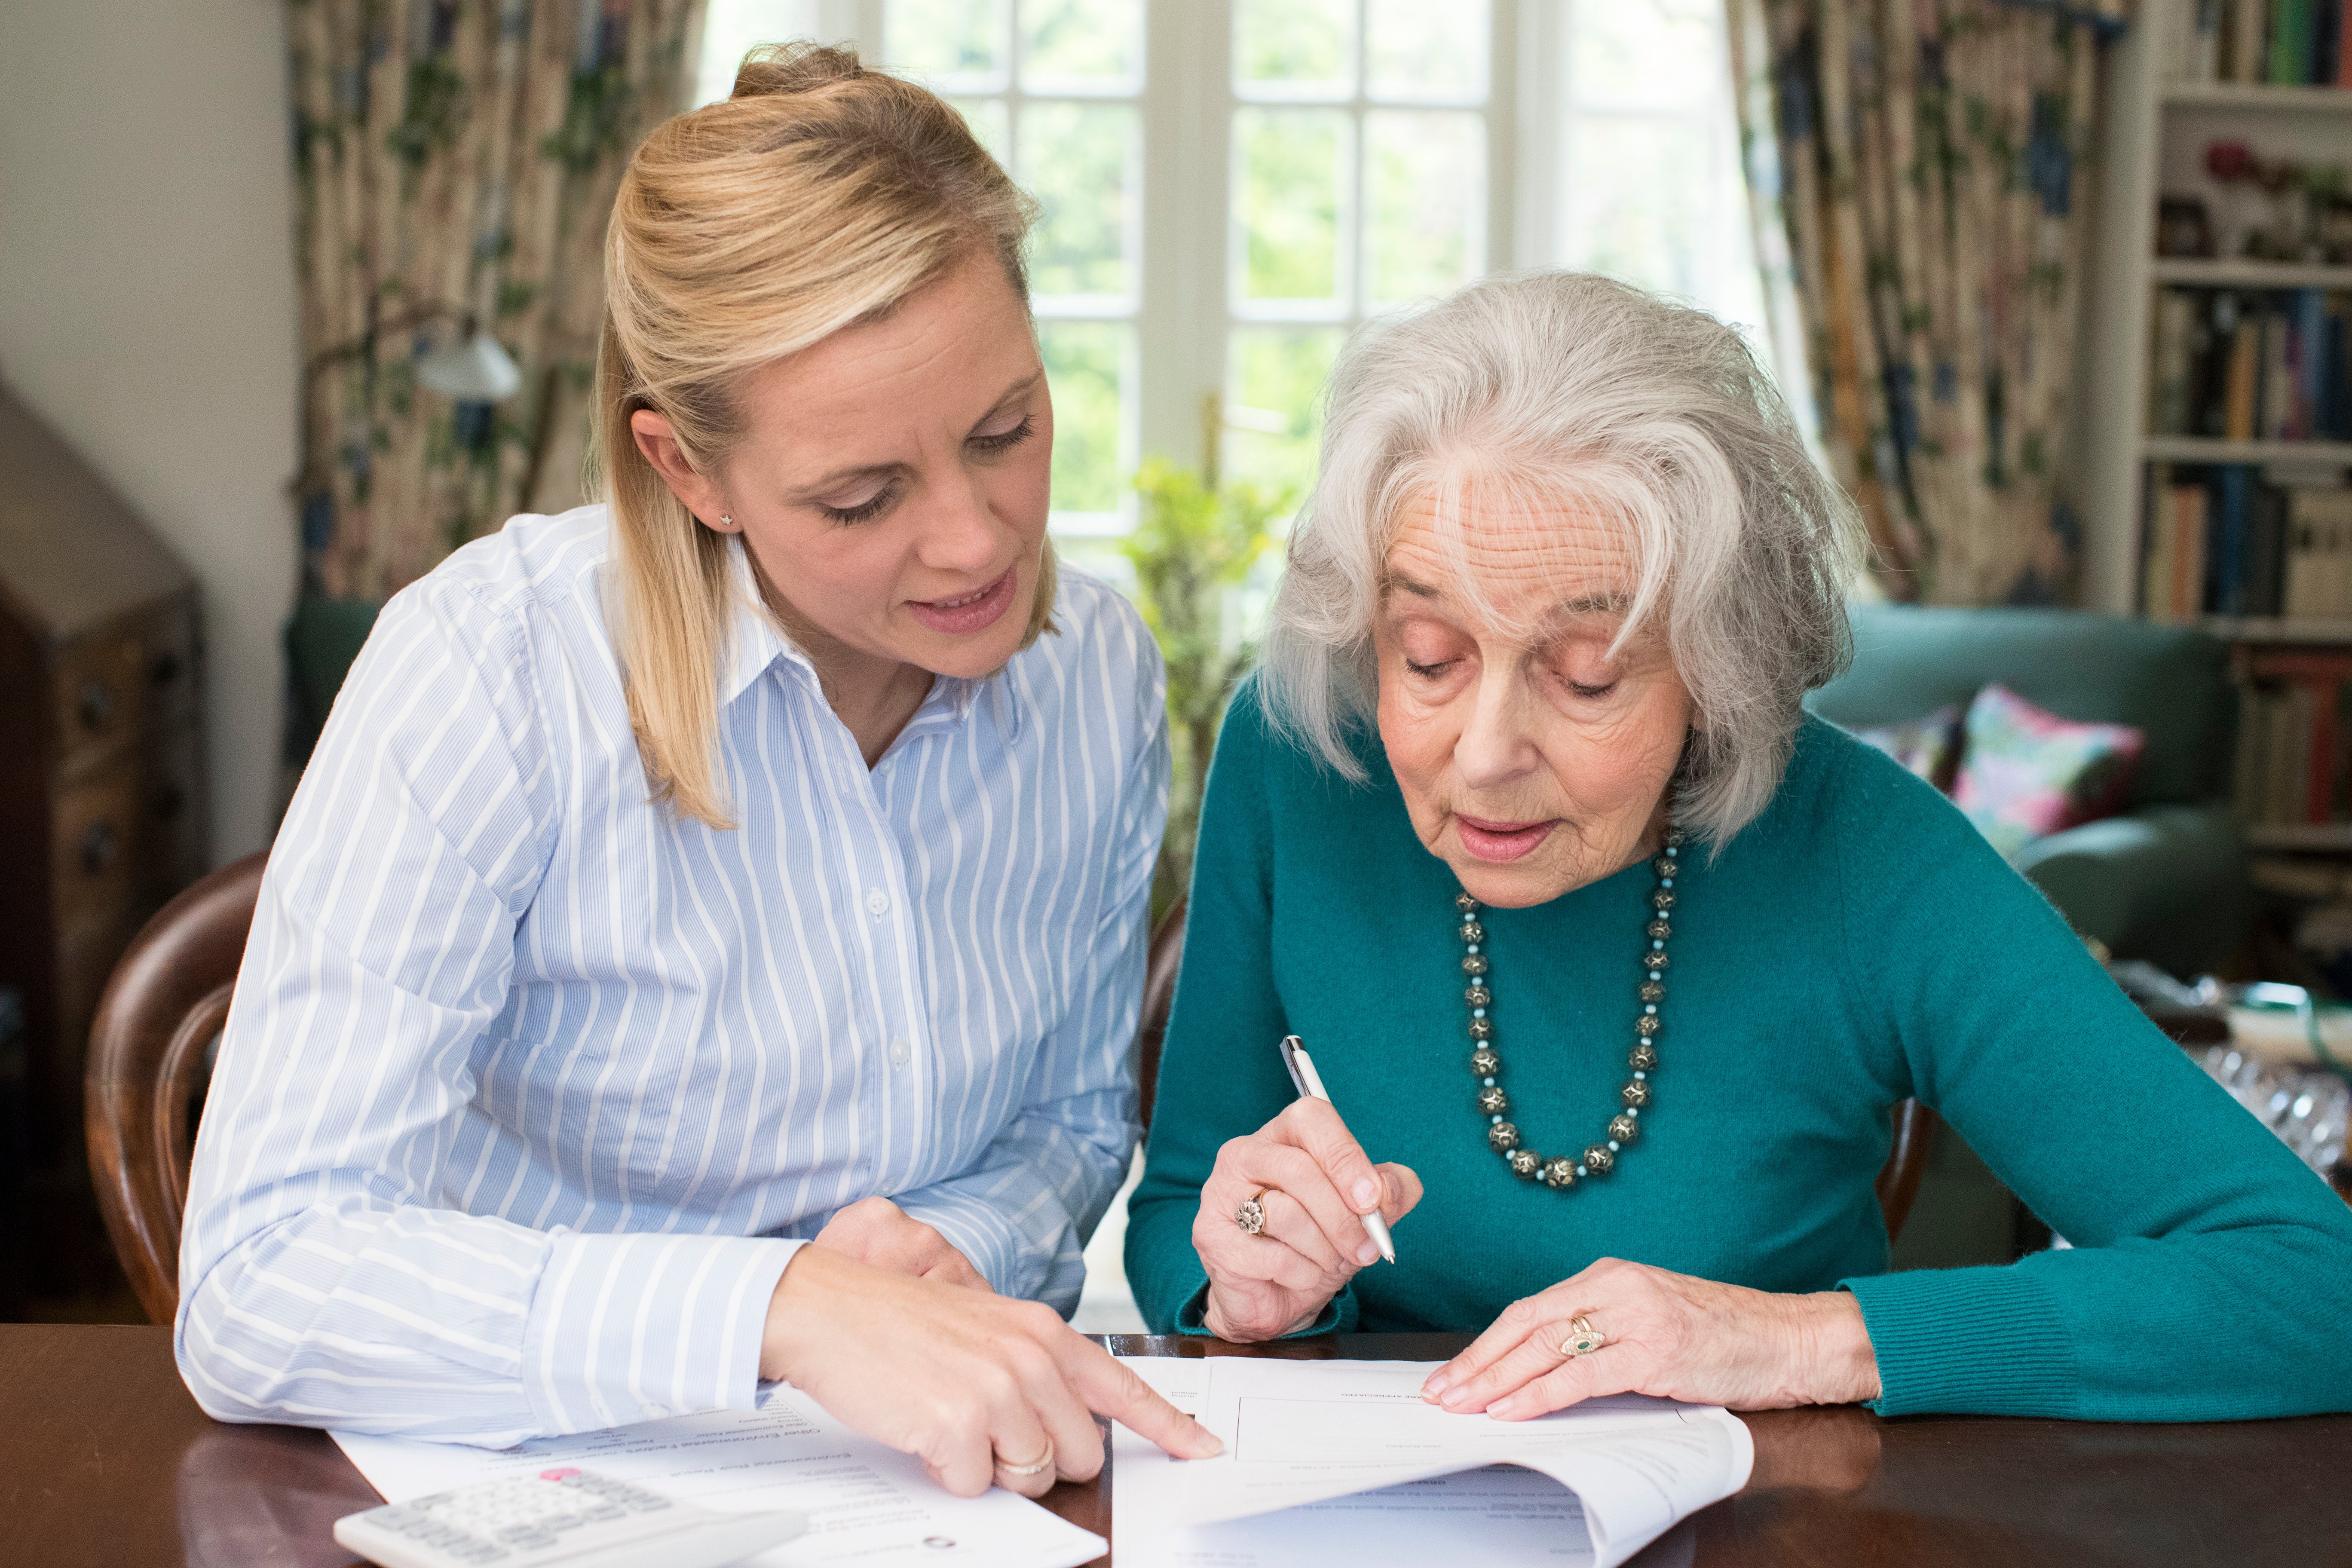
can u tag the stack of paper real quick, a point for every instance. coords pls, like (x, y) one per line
(866, 1504)
(1343, 1462)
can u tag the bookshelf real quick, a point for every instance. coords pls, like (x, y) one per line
(2152, 135)
(2206, 272)
(2301, 836)
(2208, 449)
(2247, 95)
(2276, 631)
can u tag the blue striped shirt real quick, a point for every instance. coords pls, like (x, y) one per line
(531, 1087)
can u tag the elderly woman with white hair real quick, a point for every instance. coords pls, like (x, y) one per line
(1623, 961)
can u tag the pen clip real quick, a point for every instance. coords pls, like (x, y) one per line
(1290, 1047)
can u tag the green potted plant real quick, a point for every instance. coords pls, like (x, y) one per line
(1192, 544)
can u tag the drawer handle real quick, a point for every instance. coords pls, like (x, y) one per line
(166, 669)
(100, 845)
(96, 704)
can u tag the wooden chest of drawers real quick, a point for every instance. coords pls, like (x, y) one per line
(101, 754)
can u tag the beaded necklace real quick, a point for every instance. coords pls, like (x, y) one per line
(1561, 1172)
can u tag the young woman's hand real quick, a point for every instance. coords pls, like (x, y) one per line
(966, 1382)
(1664, 1333)
(1314, 1185)
(879, 1233)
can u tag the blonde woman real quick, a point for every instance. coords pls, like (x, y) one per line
(706, 945)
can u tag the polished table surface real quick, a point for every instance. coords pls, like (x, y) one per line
(105, 1459)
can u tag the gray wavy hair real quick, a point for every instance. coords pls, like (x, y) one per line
(1580, 389)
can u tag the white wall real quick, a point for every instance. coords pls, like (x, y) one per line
(147, 310)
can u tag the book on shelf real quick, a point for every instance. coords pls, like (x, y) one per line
(2282, 43)
(2234, 538)
(2294, 738)
(2244, 365)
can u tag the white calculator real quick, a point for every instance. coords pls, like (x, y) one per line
(562, 1516)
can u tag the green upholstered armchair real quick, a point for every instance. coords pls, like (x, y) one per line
(2167, 880)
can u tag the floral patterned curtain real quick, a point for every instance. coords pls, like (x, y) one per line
(1926, 162)
(455, 160)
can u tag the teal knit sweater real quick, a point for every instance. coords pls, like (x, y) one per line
(1858, 943)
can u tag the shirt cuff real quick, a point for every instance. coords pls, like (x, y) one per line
(634, 1327)
(1966, 1341)
(1337, 1316)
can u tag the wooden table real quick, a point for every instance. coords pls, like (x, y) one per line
(104, 1460)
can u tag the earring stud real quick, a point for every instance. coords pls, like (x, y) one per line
(725, 520)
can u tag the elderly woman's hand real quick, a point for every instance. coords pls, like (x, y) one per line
(1314, 1185)
(1666, 1335)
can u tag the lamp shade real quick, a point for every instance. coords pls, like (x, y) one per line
(474, 369)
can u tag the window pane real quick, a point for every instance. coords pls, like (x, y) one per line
(1639, 209)
(1645, 54)
(1094, 45)
(1076, 159)
(1425, 189)
(1289, 171)
(1414, 50)
(1295, 48)
(1088, 365)
(960, 39)
(986, 117)
(1273, 376)
(730, 28)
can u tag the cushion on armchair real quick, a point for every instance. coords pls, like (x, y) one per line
(2172, 682)
(2025, 772)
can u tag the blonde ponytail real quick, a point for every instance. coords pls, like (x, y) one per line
(819, 193)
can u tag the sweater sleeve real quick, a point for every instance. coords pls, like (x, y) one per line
(1218, 1068)
(2206, 1273)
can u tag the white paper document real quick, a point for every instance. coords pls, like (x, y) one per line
(866, 1504)
(1343, 1462)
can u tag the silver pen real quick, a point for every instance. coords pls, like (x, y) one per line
(1310, 1087)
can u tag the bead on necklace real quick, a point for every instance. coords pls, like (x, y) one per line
(1562, 1172)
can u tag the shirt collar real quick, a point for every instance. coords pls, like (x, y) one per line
(756, 643)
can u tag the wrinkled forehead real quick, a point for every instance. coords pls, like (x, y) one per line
(1527, 563)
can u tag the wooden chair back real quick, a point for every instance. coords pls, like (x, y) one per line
(164, 1005)
(1898, 1179)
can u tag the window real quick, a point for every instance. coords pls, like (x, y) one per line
(1647, 184)
(1052, 88)
(1229, 186)
(1357, 181)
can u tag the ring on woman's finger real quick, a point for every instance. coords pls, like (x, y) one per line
(1582, 1339)
(1038, 1467)
(1251, 1214)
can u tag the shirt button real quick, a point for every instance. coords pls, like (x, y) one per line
(900, 1053)
(877, 901)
